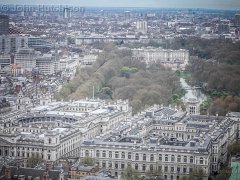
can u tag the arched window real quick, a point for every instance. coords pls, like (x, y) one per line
(129, 156)
(201, 160)
(172, 158)
(144, 157)
(104, 153)
(86, 153)
(184, 169)
(179, 158)
(151, 167)
(137, 157)
(97, 153)
(110, 154)
(185, 158)
(160, 157)
(49, 141)
(123, 155)
(191, 159)
(116, 154)
(166, 168)
(6, 152)
(136, 166)
(166, 157)
(151, 157)
(110, 164)
(22, 42)
(144, 167)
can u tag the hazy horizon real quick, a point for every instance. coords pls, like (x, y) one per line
(211, 4)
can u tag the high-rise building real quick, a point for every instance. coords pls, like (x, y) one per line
(11, 43)
(142, 26)
(26, 58)
(237, 19)
(237, 33)
(39, 44)
(5, 60)
(127, 16)
(67, 13)
(223, 28)
(4, 24)
(45, 64)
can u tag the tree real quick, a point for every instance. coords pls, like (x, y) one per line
(131, 174)
(153, 174)
(34, 161)
(196, 174)
(88, 161)
(234, 148)
(224, 174)
(117, 75)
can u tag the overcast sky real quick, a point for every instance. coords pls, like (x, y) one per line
(216, 4)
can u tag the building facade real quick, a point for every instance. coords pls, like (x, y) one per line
(46, 64)
(141, 26)
(5, 60)
(56, 130)
(11, 43)
(168, 141)
(167, 57)
(4, 24)
(237, 19)
(45, 137)
(26, 58)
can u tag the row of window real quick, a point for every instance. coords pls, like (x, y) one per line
(166, 158)
(28, 149)
(23, 154)
(143, 167)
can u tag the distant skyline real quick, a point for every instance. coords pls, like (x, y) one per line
(211, 4)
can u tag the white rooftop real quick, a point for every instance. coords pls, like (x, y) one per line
(62, 113)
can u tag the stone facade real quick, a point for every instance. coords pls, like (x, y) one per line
(166, 140)
(167, 57)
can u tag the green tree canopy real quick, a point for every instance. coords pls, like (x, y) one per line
(131, 174)
(88, 161)
(34, 160)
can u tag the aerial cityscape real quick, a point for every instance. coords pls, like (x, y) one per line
(120, 90)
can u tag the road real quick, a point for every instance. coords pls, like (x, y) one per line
(192, 92)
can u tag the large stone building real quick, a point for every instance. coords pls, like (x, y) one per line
(167, 57)
(4, 24)
(26, 58)
(166, 140)
(46, 64)
(237, 19)
(89, 59)
(57, 129)
(141, 26)
(11, 43)
(5, 60)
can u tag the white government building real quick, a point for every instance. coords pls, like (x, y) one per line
(167, 57)
(56, 130)
(167, 140)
